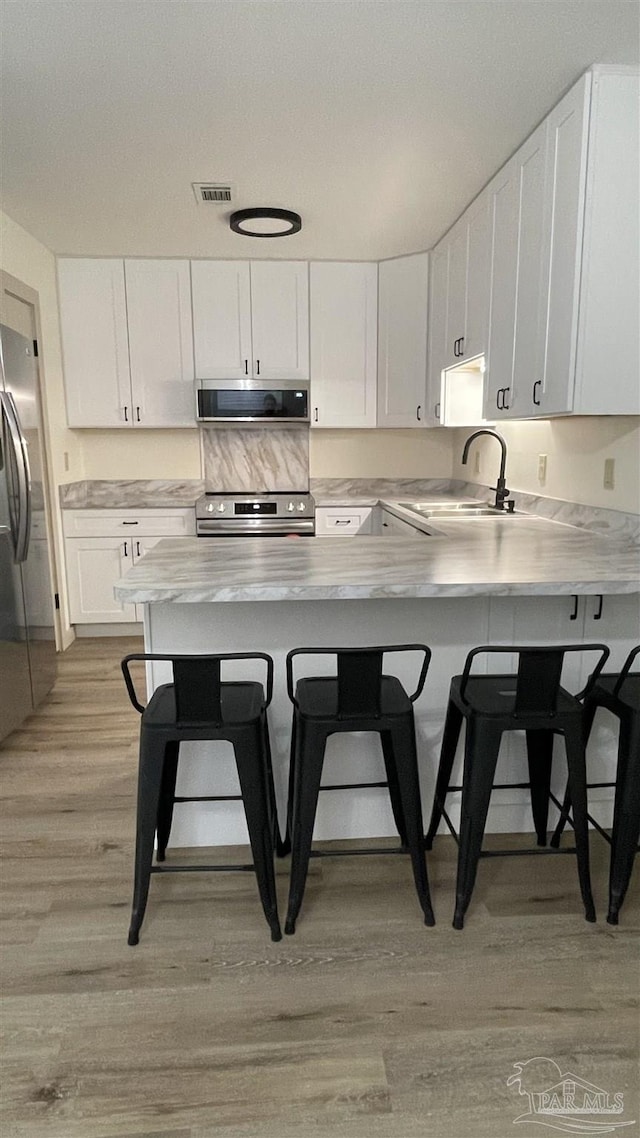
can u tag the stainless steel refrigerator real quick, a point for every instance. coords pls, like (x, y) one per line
(27, 626)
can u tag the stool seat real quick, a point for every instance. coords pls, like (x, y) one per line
(318, 698)
(495, 696)
(240, 704)
(199, 705)
(358, 697)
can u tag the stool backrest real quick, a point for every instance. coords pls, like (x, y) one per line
(197, 683)
(626, 671)
(359, 676)
(539, 673)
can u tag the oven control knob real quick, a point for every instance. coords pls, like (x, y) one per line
(301, 507)
(290, 507)
(210, 508)
(221, 508)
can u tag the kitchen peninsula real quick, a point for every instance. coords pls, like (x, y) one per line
(504, 580)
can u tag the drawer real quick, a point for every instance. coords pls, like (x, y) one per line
(340, 522)
(135, 523)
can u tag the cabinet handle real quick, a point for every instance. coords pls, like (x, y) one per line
(138, 549)
(257, 367)
(537, 384)
(343, 521)
(315, 414)
(500, 405)
(461, 343)
(138, 414)
(246, 367)
(456, 349)
(126, 551)
(506, 405)
(598, 613)
(418, 410)
(436, 411)
(574, 612)
(126, 417)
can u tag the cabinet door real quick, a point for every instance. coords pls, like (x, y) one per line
(478, 274)
(280, 319)
(532, 284)
(343, 344)
(566, 173)
(438, 288)
(457, 292)
(221, 293)
(160, 343)
(94, 564)
(93, 321)
(403, 299)
(140, 546)
(504, 197)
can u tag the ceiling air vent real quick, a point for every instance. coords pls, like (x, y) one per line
(212, 193)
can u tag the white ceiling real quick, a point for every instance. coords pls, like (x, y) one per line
(377, 120)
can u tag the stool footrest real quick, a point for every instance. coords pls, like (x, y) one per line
(351, 785)
(209, 798)
(202, 868)
(358, 853)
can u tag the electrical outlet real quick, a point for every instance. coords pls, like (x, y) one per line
(609, 474)
(542, 469)
(66, 460)
(476, 466)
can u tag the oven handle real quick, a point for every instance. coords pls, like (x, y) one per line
(270, 528)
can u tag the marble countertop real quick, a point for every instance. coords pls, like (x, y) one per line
(521, 554)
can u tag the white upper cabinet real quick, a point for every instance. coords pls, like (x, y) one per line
(517, 307)
(127, 342)
(403, 298)
(467, 287)
(343, 344)
(222, 319)
(160, 342)
(93, 319)
(251, 319)
(280, 319)
(437, 336)
(565, 296)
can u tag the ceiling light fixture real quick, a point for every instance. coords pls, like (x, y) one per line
(265, 222)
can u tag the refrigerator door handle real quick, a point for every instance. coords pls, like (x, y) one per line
(19, 444)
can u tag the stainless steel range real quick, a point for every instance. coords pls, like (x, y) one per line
(255, 515)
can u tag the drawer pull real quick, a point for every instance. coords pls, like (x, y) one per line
(131, 523)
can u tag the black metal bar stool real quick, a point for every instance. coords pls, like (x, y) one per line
(199, 705)
(532, 701)
(619, 693)
(358, 697)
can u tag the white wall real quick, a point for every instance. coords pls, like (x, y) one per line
(141, 454)
(381, 454)
(576, 449)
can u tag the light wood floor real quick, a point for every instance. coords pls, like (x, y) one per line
(365, 1023)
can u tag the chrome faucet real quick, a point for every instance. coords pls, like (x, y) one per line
(501, 488)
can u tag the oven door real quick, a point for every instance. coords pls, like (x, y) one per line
(261, 527)
(252, 401)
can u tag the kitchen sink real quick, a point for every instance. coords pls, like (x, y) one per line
(464, 510)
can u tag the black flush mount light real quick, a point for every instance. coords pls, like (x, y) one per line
(265, 222)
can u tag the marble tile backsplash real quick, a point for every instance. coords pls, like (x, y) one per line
(255, 459)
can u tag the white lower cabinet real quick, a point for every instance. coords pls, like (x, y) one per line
(101, 546)
(337, 521)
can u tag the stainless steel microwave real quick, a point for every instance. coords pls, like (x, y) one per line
(258, 401)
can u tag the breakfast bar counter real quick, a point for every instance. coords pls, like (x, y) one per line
(516, 579)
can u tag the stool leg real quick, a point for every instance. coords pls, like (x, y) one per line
(626, 824)
(167, 796)
(394, 788)
(576, 763)
(452, 727)
(590, 708)
(308, 763)
(281, 847)
(248, 746)
(149, 779)
(406, 764)
(292, 765)
(539, 758)
(482, 745)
